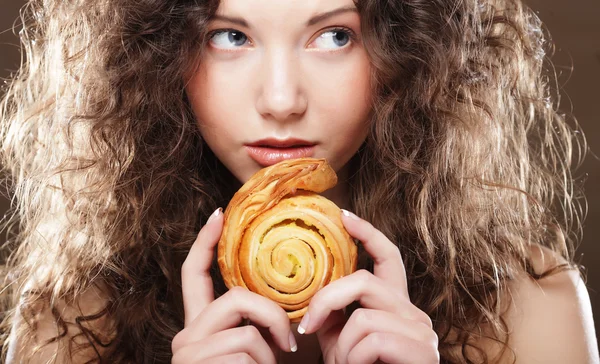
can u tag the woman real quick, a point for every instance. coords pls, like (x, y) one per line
(131, 122)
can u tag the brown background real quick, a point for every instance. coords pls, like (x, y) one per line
(575, 29)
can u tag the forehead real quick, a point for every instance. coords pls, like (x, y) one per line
(280, 12)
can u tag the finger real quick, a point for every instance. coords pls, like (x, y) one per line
(266, 334)
(229, 310)
(361, 286)
(245, 339)
(196, 281)
(364, 322)
(237, 358)
(386, 255)
(328, 333)
(393, 349)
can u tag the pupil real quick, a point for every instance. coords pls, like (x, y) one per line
(237, 38)
(340, 37)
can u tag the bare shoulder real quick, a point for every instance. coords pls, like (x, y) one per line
(90, 303)
(550, 319)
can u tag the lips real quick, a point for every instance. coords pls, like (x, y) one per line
(267, 152)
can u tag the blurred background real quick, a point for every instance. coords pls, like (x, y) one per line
(575, 30)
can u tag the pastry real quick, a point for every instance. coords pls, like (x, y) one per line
(283, 240)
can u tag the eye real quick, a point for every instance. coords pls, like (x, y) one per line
(227, 38)
(335, 38)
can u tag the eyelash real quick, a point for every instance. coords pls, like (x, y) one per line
(353, 37)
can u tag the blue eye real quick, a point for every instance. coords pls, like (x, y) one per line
(228, 36)
(335, 38)
(339, 37)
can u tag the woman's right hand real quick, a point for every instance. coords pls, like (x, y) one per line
(212, 333)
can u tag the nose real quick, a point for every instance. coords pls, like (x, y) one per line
(281, 97)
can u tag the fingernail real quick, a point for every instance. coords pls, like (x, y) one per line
(293, 343)
(303, 324)
(350, 215)
(214, 215)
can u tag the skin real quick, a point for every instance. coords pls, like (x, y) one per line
(388, 327)
(283, 86)
(286, 81)
(282, 79)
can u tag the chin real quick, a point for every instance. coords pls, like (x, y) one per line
(246, 173)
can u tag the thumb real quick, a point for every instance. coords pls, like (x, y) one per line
(196, 281)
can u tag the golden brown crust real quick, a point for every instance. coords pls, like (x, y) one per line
(281, 239)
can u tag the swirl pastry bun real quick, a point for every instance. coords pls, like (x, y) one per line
(281, 239)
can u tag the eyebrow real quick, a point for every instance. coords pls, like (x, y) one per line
(312, 21)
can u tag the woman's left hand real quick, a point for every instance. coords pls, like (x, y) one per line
(388, 327)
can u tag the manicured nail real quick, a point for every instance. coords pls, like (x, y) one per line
(214, 215)
(303, 324)
(350, 215)
(293, 344)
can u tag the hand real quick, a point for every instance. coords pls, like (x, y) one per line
(212, 333)
(388, 327)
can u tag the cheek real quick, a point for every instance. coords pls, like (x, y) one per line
(358, 89)
(198, 90)
(349, 103)
(210, 94)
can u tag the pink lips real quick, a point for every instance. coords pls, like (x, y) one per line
(267, 152)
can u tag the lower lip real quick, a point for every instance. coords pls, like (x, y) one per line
(267, 156)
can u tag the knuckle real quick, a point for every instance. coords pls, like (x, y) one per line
(250, 334)
(242, 358)
(422, 335)
(425, 319)
(237, 294)
(361, 316)
(178, 341)
(426, 335)
(177, 359)
(431, 355)
(395, 250)
(435, 357)
(377, 339)
(181, 357)
(433, 339)
(186, 267)
(364, 276)
(372, 341)
(429, 349)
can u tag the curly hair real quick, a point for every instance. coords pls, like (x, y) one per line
(467, 164)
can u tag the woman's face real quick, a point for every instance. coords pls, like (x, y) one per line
(278, 81)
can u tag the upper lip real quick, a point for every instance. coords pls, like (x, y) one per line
(281, 143)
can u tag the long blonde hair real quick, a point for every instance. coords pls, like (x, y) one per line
(467, 164)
